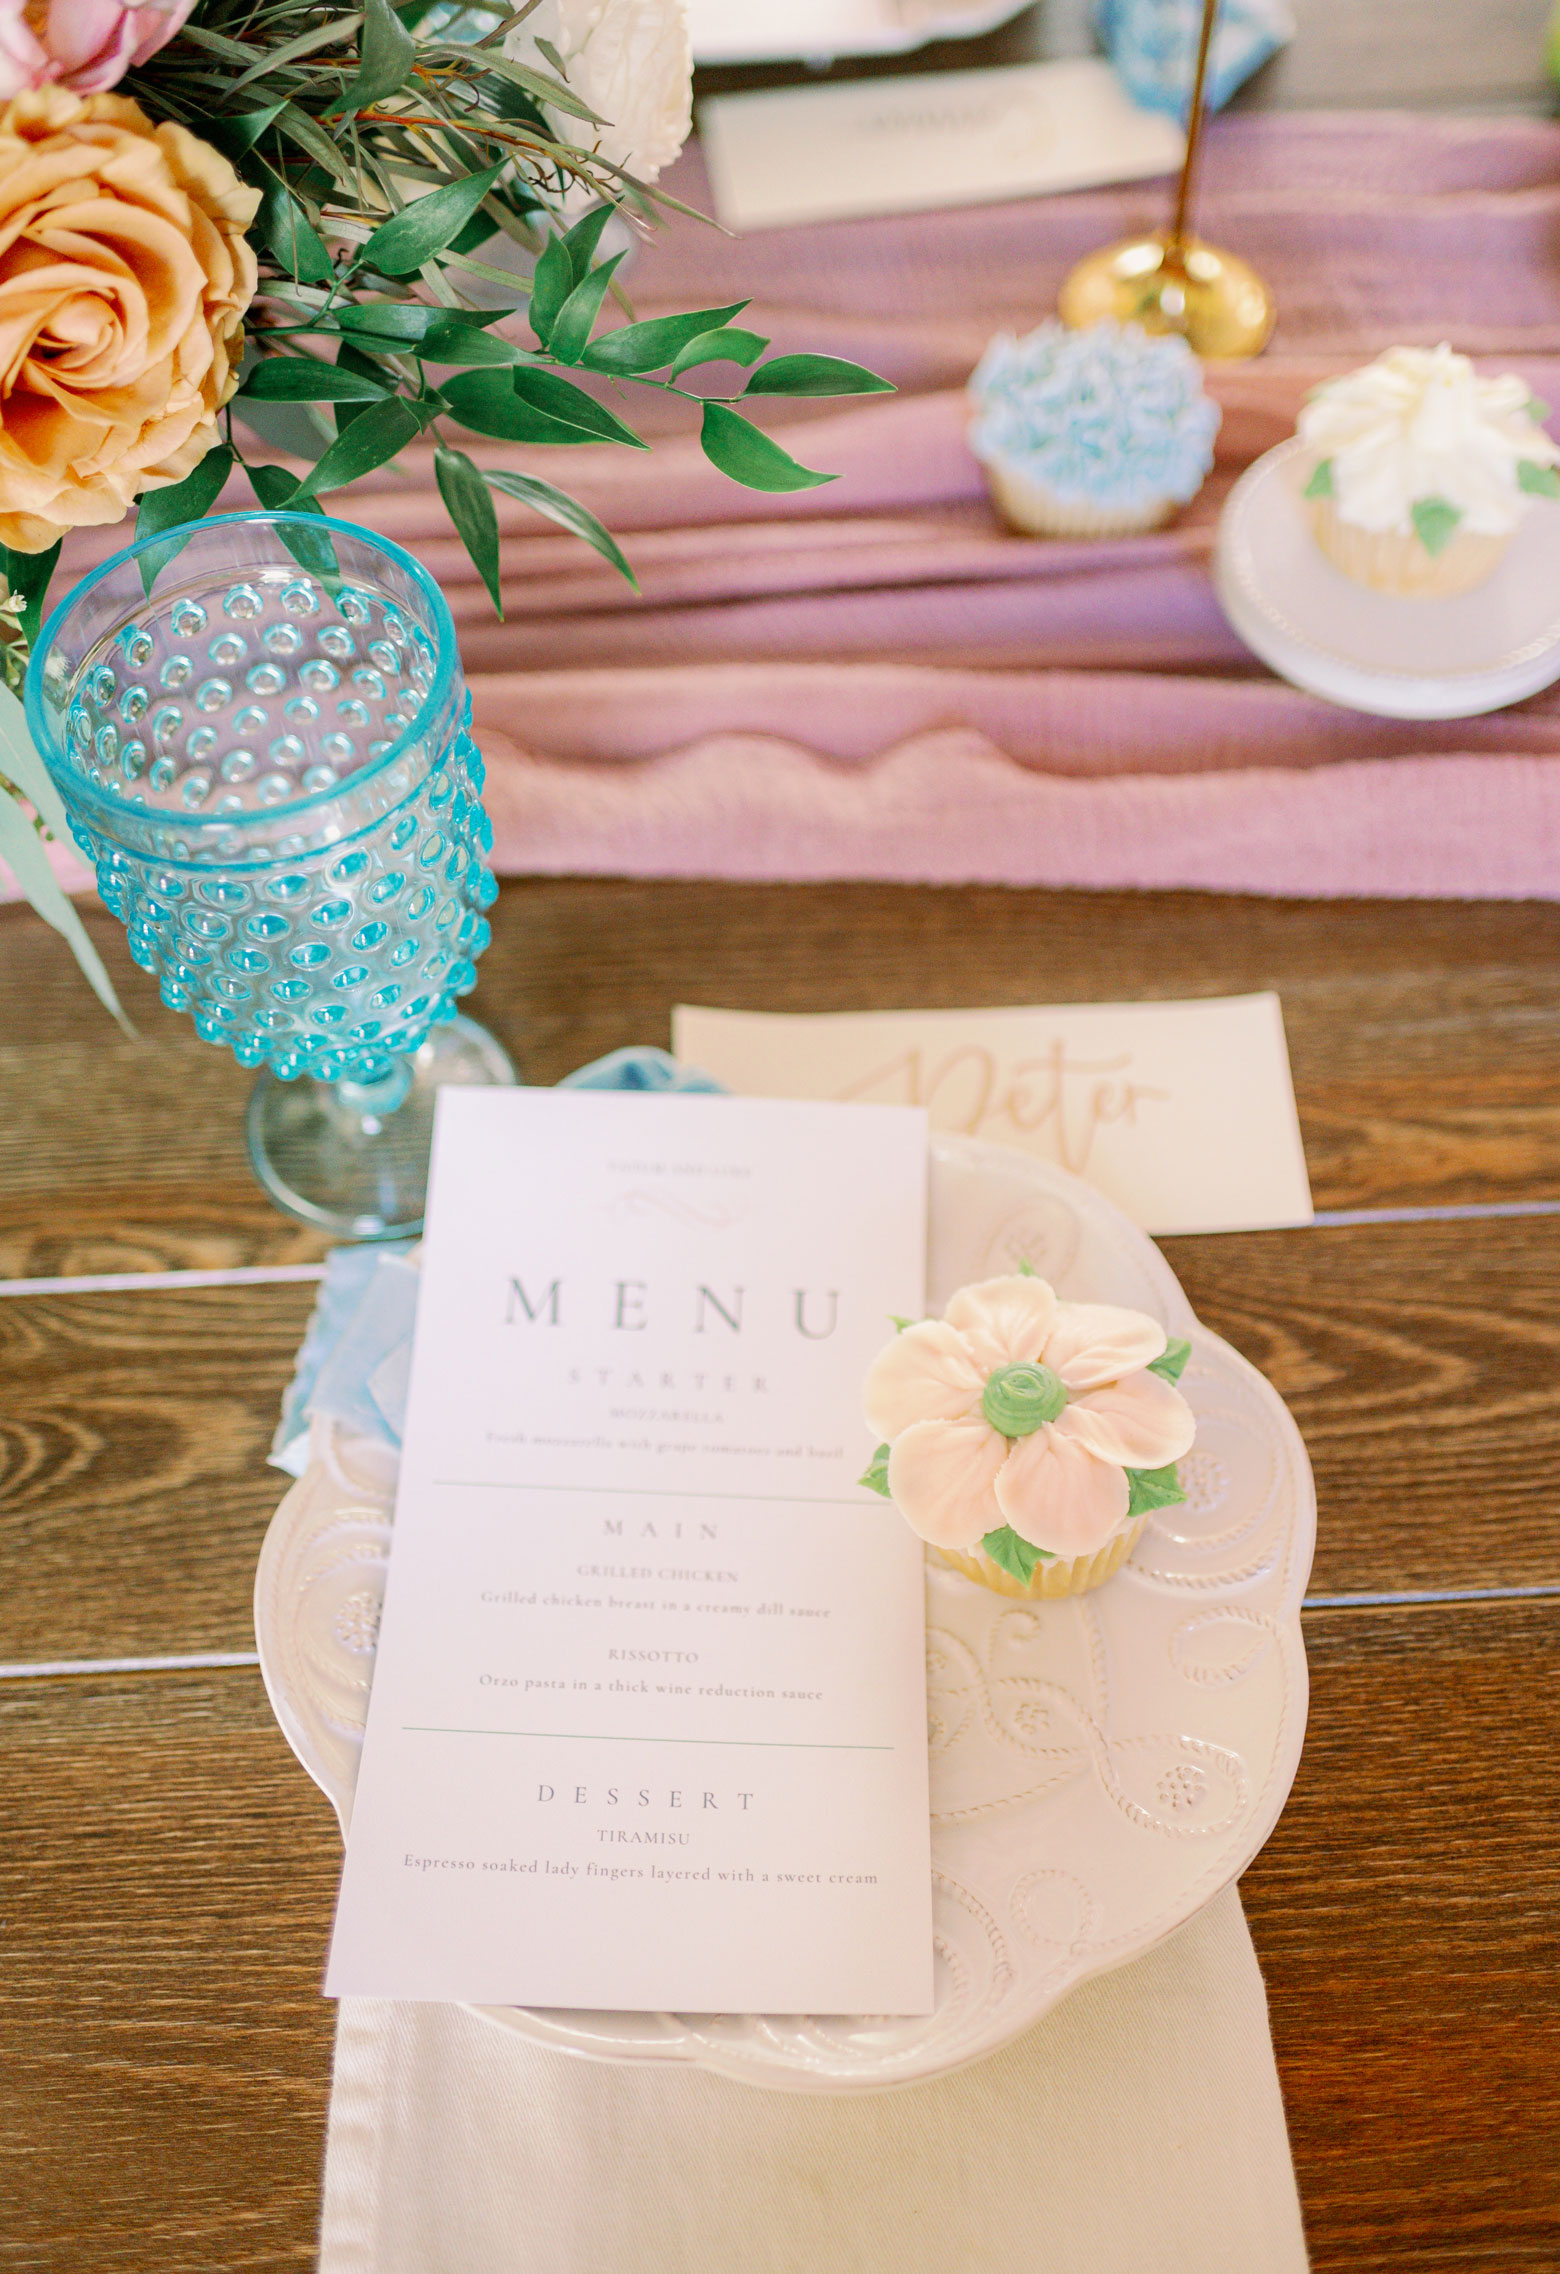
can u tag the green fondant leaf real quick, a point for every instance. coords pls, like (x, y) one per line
(1436, 519)
(1172, 1360)
(1321, 482)
(1026, 1268)
(1013, 1554)
(897, 1323)
(1537, 409)
(1153, 1488)
(1538, 481)
(876, 1477)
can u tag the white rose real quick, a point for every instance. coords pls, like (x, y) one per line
(632, 62)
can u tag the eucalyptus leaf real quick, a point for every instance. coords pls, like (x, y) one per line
(576, 319)
(727, 345)
(562, 399)
(551, 283)
(875, 1475)
(187, 501)
(305, 379)
(1435, 519)
(1171, 1362)
(469, 503)
(22, 848)
(1537, 480)
(566, 511)
(739, 450)
(647, 346)
(1321, 482)
(400, 246)
(1153, 1488)
(385, 58)
(816, 375)
(1014, 1555)
(383, 431)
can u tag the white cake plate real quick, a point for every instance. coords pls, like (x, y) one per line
(1407, 659)
(813, 31)
(1101, 1767)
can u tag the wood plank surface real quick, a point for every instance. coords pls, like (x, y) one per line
(1424, 1035)
(169, 1875)
(1421, 1361)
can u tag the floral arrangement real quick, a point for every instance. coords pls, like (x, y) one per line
(1027, 1426)
(207, 205)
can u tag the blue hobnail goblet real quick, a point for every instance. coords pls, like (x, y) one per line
(260, 730)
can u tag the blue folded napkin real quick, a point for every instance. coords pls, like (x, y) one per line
(1153, 45)
(355, 1360)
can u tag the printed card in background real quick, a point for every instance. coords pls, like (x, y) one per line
(648, 1725)
(925, 139)
(1183, 1113)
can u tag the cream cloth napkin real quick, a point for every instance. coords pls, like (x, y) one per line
(1137, 2129)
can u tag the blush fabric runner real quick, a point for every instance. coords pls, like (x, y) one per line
(874, 679)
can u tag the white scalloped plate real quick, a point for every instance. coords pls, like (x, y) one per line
(1101, 1767)
(805, 31)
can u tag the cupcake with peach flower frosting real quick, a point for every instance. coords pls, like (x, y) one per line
(1028, 1439)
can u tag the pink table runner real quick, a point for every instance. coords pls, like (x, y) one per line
(875, 680)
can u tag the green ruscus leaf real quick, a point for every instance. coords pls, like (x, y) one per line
(661, 339)
(286, 230)
(875, 1475)
(728, 344)
(561, 399)
(745, 455)
(186, 501)
(308, 379)
(469, 504)
(552, 281)
(1153, 1488)
(380, 434)
(575, 320)
(816, 375)
(384, 58)
(399, 246)
(1013, 1554)
(277, 491)
(27, 578)
(566, 511)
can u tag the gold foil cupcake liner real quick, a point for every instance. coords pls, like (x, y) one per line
(1073, 1575)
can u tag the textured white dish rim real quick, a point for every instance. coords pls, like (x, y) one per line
(1281, 626)
(798, 2053)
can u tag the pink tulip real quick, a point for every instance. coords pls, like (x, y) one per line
(86, 45)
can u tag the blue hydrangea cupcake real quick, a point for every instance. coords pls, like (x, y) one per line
(1093, 433)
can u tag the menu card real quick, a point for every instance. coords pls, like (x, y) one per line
(648, 1725)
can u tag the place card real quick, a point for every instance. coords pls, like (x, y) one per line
(1183, 1113)
(648, 1724)
(901, 144)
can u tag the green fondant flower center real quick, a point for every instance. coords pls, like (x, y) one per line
(1018, 1400)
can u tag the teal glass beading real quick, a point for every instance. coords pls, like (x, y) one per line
(261, 736)
(269, 767)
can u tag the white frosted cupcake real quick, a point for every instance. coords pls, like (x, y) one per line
(1420, 471)
(1093, 433)
(1027, 1439)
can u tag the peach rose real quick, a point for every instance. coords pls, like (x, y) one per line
(124, 277)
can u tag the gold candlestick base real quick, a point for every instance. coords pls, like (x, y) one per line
(1217, 302)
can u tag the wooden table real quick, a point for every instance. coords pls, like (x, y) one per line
(167, 1872)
